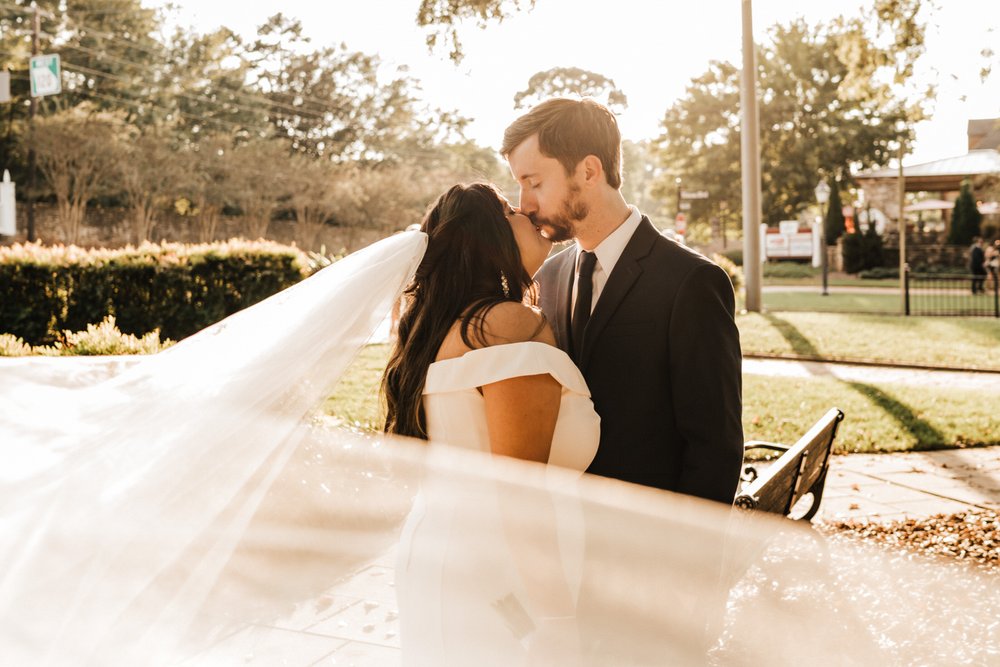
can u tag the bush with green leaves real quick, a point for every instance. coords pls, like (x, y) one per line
(729, 266)
(966, 218)
(735, 256)
(789, 270)
(879, 273)
(174, 288)
(834, 224)
(98, 339)
(862, 250)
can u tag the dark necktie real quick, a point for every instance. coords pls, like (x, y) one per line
(584, 295)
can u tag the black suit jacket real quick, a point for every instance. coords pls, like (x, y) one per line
(661, 354)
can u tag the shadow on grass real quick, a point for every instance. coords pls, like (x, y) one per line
(800, 344)
(926, 435)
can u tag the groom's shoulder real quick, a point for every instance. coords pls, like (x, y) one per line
(554, 262)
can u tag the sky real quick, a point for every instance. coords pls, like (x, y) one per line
(650, 48)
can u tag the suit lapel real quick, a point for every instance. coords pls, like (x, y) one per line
(624, 275)
(564, 300)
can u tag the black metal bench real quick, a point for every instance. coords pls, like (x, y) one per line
(799, 471)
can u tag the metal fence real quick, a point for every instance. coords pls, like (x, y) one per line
(965, 295)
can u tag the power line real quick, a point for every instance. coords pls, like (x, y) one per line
(246, 95)
(320, 109)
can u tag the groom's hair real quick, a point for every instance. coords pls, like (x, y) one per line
(570, 130)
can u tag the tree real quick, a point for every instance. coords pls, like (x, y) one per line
(318, 190)
(441, 17)
(151, 173)
(966, 218)
(816, 117)
(833, 223)
(640, 174)
(77, 152)
(258, 181)
(333, 103)
(564, 81)
(208, 182)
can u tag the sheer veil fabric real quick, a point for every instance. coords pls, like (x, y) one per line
(148, 508)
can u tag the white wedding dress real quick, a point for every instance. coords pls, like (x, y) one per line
(448, 609)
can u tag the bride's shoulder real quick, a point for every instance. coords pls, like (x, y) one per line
(511, 322)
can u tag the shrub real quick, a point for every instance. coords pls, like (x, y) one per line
(965, 219)
(789, 270)
(173, 288)
(878, 273)
(98, 339)
(12, 346)
(735, 256)
(735, 273)
(861, 251)
(834, 223)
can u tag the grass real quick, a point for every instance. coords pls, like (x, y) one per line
(965, 342)
(879, 417)
(835, 302)
(355, 400)
(834, 280)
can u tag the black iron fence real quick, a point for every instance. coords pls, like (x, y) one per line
(941, 294)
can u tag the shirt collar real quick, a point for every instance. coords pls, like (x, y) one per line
(611, 248)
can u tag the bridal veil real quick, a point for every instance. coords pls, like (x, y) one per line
(149, 507)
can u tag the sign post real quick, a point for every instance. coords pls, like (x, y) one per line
(5, 86)
(8, 221)
(46, 75)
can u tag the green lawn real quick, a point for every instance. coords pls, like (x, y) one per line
(967, 342)
(836, 280)
(835, 302)
(879, 417)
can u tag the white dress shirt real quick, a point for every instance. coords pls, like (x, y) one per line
(608, 252)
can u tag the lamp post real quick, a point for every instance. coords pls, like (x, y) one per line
(677, 182)
(822, 196)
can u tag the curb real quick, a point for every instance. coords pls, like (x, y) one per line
(869, 362)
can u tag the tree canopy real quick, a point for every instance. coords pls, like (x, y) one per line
(828, 106)
(563, 81)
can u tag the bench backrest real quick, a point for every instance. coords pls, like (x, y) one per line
(796, 471)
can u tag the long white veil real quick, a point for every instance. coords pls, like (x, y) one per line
(155, 511)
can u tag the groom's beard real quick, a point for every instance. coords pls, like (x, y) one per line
(562, 226)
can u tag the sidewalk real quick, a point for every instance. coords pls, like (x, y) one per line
(979, 380)
(357, 621)
(884, 487)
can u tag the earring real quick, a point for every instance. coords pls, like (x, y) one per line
(504, 285)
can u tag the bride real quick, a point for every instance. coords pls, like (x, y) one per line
(475, 364)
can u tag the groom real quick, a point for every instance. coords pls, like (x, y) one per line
(649, 322)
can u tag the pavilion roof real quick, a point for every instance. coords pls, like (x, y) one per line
(941, 175)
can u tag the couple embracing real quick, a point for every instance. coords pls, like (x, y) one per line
(619, 356)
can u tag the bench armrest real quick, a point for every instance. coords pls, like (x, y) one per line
(760, 444)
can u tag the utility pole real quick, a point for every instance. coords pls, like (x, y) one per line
(750, 151)
(32, 168)
(902, 228)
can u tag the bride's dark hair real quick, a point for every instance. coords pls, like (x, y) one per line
(471, 256)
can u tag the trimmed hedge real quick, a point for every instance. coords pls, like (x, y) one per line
(174, 288)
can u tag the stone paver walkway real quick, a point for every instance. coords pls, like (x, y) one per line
(356, 623)
(883, 487)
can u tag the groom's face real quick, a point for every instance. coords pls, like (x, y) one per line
(549, 197)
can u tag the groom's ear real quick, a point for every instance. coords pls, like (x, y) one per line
(591, 170)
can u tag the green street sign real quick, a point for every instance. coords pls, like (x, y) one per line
(46, 78)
